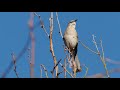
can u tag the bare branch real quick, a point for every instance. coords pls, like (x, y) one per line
(102, 58)
(87, 47)
(14, 62)
(7, 70)
(66, 70)
(51, 43)
(46, 72)
(41, 23)
(60, 31)
(32, 61)
(102, 50)
(86, 70)
(55, 66)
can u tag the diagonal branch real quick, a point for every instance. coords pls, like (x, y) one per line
(66, 70)
(14, 62)
(41, 23)
(55, 66)
(87, 47)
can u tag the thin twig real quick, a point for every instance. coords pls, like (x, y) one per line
(14, 62)
(88, 47)
(86, 70)
(102, 50)
(46, 72)
(60, 72)
(66, 70)
(41, 23)
(56, 66)
(60, 31)
(102, 58)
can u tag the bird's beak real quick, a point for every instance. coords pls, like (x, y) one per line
(76, 20)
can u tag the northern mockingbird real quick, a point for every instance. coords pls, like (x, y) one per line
(71, 41)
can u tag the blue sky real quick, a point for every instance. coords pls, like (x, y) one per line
(14, 33)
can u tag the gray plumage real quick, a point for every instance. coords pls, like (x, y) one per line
(71, 41)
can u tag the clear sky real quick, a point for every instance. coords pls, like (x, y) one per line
(14, 33)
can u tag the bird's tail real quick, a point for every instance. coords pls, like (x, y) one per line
(77, 62)
(74, 58)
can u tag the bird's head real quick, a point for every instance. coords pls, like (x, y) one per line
(72, 23)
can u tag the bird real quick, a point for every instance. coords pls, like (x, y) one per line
(70, 39)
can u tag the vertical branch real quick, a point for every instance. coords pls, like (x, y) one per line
(60, 31)
(32, 54)
(51, 43)
(32, 61)
(14, 62)
(103, 59)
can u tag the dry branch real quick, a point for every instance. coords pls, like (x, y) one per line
(87, 47)
(46, 72)
(41, 23)
(66, 70)
(86, 70)
(101, 57)
(60, 31)
(55, 67)
(51, 43)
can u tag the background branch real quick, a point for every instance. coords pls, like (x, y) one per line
(14, 62)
